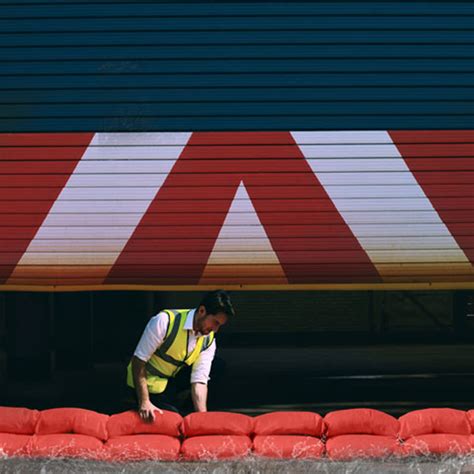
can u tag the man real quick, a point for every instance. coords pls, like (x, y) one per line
(174, 339)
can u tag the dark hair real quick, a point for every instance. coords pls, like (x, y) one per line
(218, 301)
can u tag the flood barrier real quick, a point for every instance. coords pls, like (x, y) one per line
(341, 435)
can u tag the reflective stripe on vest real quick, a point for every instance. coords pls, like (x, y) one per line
(170, 338)
(172, 355)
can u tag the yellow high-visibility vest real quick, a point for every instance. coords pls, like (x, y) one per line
(172, 355)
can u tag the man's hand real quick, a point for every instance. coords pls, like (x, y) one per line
(146, 410)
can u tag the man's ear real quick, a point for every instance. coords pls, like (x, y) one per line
(201, 311)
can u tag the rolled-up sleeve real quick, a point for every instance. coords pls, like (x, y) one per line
(152, 337)
(202, 366)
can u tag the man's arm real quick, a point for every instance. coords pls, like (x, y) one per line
(151, 339)
(145, 407)
(199, 396)
(200, 377)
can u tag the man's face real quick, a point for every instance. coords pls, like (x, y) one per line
(204, 323)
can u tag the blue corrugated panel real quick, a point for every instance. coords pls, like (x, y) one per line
(74, 66)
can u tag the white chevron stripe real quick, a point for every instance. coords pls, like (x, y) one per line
(244, 261)
(317, 138)
(335, 171)
(101, 206)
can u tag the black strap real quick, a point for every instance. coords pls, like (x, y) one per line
(169, 359)
(154, 371)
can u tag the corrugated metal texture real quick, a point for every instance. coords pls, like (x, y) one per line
(174, 205)
(181, 66)
(279, 209)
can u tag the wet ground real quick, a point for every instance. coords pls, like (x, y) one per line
(247, 466)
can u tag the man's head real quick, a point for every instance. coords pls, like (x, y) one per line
(213, 312)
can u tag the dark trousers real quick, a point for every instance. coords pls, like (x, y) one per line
(162, 400)
(177, 396)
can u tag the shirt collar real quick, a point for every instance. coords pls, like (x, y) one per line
(188, 324)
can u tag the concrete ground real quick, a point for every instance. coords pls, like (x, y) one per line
(247, 466)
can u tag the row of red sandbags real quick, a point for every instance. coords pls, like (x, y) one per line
(343, 434)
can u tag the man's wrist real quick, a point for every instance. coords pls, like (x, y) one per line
(143, 399)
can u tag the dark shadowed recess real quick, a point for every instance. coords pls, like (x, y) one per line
(319, 351)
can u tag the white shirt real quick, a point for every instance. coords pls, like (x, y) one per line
(154, 335)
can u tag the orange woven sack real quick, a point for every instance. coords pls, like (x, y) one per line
(18, 420)
(289, 423)
(433, 421)
(72, 420)
(360, 421)
(217, 423)
(130, 423)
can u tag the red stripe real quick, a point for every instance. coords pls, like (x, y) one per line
(454, 201)
(41, 165)
(31, 194)
(45, 139)
(57, 153)
(448, 163)
(13, 245)
(26, 227)
(12, 220)
(454, 177)
(31, 181)
(433, 136)
(207, 195)
(441, 149)
(241, 138)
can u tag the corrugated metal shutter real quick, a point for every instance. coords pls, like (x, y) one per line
(117, 66)
(357, 204)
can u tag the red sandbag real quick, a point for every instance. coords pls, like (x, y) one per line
(217, 423)
(347, 447)
(360, 421)
(434, 421)
(288, 447)
(18, 420)
(66, 445)
(436, 444)
(130, 423)
(141, 447)
(470, 417)
(72, 420)
(13, 444)
(289, 423)
(215, 447)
